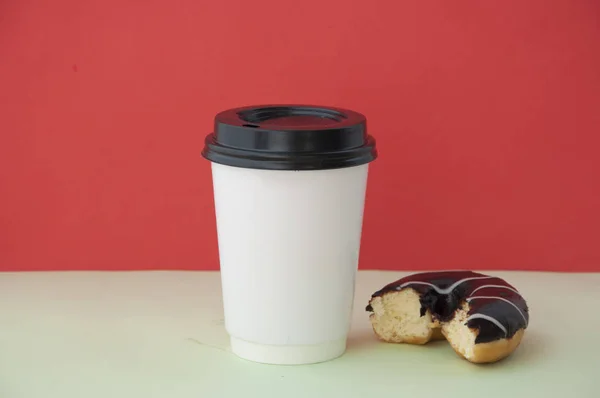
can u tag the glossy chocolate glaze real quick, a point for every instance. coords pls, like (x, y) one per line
(496, 309)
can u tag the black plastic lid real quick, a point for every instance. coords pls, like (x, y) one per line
(290, 137)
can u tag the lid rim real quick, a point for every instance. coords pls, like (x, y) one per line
(286, 165)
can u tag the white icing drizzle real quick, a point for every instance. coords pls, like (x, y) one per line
(499, 298)
(446, 290)
(496, 286)
(488, 318)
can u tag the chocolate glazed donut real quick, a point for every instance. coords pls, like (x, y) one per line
(483, 317)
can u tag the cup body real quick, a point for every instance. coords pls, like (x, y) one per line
(289, 245)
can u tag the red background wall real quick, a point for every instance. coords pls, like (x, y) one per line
(486, 115)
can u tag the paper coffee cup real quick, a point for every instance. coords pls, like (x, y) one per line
(289, 188)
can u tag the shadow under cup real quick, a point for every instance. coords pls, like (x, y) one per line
(289, 188)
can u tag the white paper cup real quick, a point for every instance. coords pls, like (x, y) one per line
(289, 242)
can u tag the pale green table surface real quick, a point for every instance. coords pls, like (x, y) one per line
(161, 334)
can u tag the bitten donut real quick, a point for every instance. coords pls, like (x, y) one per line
(482, 317)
